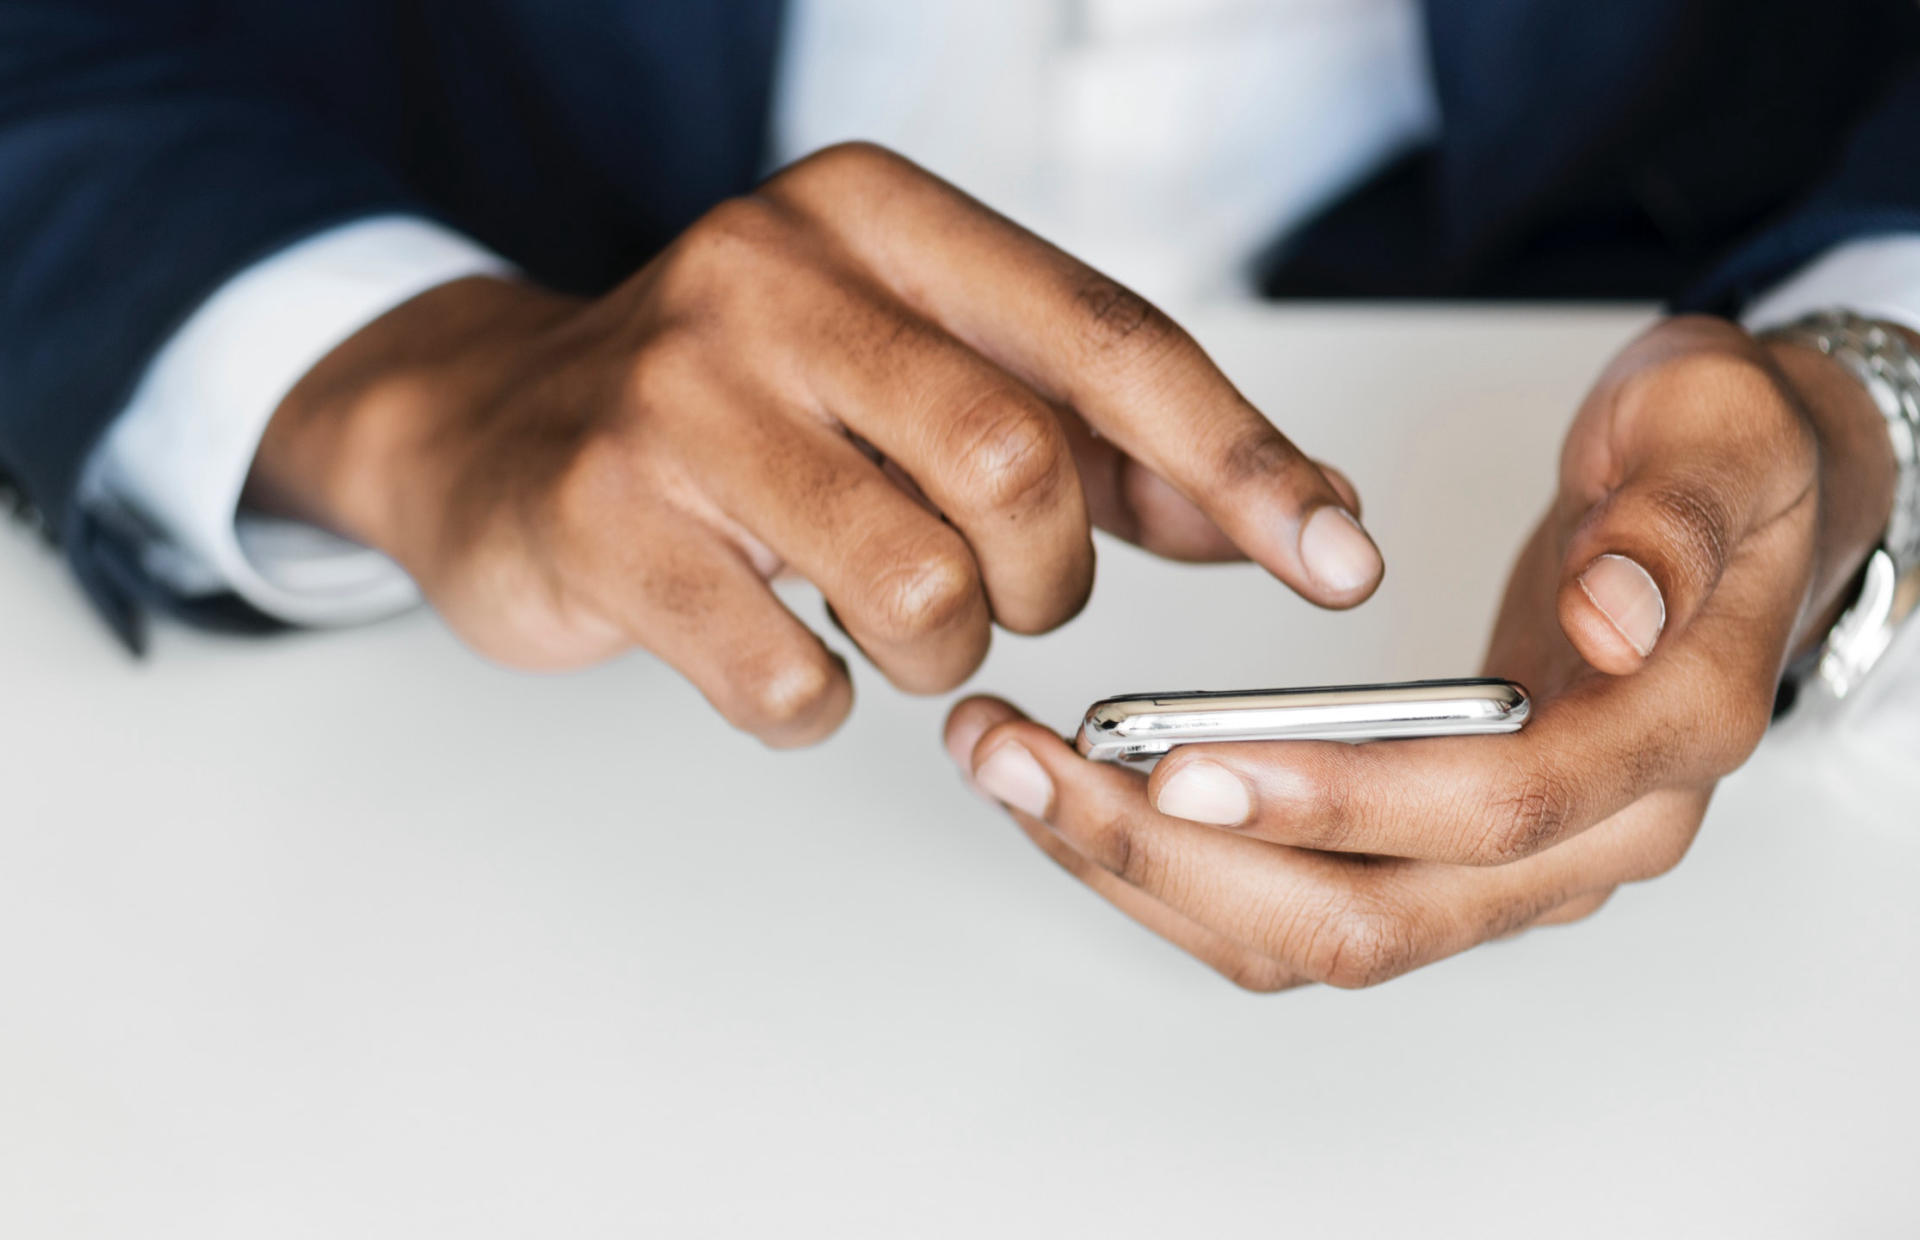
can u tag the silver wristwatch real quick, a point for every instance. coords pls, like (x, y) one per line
(1879, 357)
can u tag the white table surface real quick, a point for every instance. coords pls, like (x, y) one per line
(353, 936)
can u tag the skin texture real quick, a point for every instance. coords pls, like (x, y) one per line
(856, 374)
(1748, 480)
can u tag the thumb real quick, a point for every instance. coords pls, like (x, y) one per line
(1640, 565)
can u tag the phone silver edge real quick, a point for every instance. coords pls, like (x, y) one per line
(1146, 725)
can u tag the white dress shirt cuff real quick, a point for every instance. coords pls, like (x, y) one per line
(1878, 277)
(177, 458)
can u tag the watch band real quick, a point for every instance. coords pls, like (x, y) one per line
(1878, 356)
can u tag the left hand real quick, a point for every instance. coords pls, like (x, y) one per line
(1716, 497)
(855, 373)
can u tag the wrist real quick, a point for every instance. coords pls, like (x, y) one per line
(1857, 480)
(366, 444)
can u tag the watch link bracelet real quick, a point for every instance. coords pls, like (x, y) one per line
(1879, 357)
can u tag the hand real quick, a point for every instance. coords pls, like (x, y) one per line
(1716, 495)
(857, 373)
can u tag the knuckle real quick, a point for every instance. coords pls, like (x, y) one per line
(713, 258)
(1661, 751)
(740, 224)
(1327, 807)
(785, 693)
(1118, 846)
(1259, 454)
(1117, 320)
(835, 177)
(1695, 525)
(1362, 944)
(891, 332)
(1348, 793)
(1517, 914)
(600, 473)
(1012, 455)
(931, 592)
(1524, 819)
(857, 160)
(668, 373)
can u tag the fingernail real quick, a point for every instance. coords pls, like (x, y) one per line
(1337, 552)
(1205, 792)
(1629, 598)
(962, 739)
(1011, 776)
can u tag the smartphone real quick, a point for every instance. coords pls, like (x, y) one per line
(1146, 725)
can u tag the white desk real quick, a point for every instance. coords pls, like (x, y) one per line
(352, 936)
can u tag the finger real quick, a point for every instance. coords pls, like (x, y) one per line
(695, 601)
(1241, 966)
(1576, 910)
(980, 445)
(968, 722)
(1347, 921)
(1704, 458)
(1135, 503)
(1128, 500)
(1573, 910)
(1084, 341)
(903, 583)
(1586, 754)
(1231, 885)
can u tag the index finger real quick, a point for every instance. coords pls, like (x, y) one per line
(1084, 340)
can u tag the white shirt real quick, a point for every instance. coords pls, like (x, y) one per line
(1138, 134)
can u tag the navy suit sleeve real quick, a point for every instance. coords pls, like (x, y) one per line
(143, 160)
(1873, 189)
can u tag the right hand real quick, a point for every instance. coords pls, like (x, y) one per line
(856, 372)
(1717, 496)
